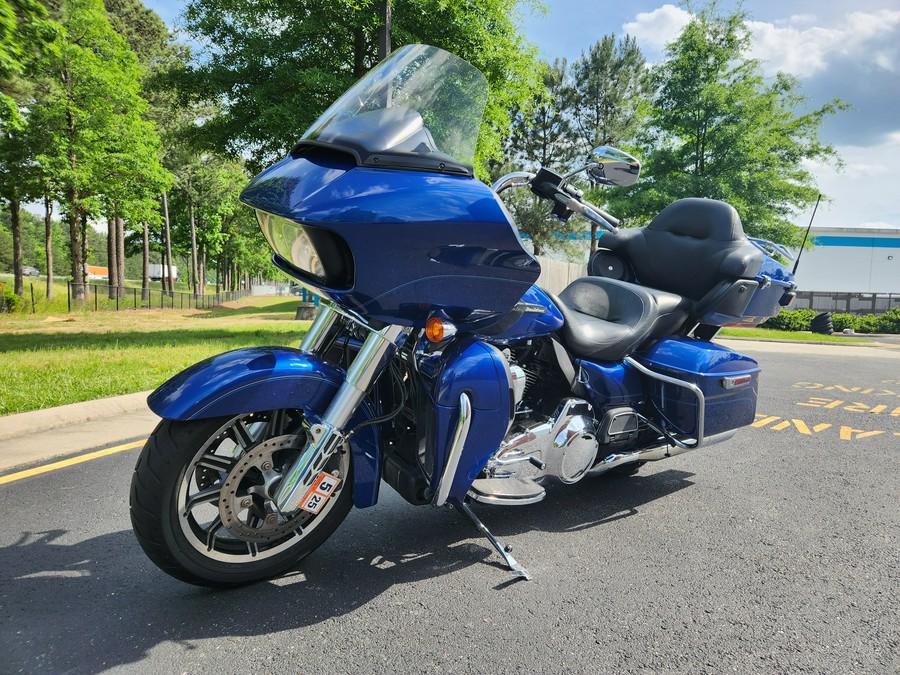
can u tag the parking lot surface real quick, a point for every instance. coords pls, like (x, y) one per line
(777, 551)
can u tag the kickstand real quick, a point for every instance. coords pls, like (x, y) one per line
(514, 567)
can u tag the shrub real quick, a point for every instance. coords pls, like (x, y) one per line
(791, 319)
(889, 322)
(9, 301)
(867, 323)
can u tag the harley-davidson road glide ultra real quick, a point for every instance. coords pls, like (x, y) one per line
(435, 364)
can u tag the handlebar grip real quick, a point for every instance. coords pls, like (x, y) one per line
(603, 214)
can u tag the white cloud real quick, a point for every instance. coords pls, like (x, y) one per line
(860, 193)
(657, 28)
(794, 46)
(799, 45)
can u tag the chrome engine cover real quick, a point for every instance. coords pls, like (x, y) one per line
(563, 447)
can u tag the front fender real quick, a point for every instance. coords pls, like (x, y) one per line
(257, 379)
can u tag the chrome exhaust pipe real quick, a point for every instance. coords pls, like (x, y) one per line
(652, 454)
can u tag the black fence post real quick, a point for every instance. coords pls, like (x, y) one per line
(69, 295)
(95, 297)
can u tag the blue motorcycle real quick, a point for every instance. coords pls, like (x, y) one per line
(435, 364)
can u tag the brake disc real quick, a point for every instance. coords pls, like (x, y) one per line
(246, 494)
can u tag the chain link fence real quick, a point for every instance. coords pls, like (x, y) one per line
(104, 297)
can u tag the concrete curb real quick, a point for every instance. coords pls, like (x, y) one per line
(23, 424)
(863, 342)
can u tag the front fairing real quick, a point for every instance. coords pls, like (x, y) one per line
(396, 245)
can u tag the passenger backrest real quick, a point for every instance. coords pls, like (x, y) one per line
(690, 247)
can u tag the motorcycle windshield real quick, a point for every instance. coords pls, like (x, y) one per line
(421, 108)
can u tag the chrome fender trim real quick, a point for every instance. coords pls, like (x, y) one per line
(459, 441)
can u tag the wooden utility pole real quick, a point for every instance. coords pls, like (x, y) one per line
(384, 32)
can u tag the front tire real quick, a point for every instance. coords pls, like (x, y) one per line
(200, 498)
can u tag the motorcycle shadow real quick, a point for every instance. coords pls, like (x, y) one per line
(90, 605)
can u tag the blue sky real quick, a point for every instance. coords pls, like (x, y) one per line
(835, 49)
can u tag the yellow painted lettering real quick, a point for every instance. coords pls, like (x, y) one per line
(857, 407)
(846, 390)
(808, 385)
(850, 434)
(781, 426)
(764, 421)
(804, 429)
(816, 402)
(878, 409)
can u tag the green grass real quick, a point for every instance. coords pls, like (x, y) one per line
(50, 361)
(793, 336)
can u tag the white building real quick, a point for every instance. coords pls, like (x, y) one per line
(852, 260)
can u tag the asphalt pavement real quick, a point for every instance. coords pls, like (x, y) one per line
(776, 552)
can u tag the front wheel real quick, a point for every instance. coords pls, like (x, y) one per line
(201, 504)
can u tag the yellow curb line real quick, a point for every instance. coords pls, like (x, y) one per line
(69, 462)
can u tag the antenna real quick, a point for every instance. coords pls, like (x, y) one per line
(805, 236)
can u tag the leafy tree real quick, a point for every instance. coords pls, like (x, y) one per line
(25, 31)
(273, 66)
(146, 34)
(611, 85)
(718, 129)
(90, 110)
(541, 135)
(542, 131)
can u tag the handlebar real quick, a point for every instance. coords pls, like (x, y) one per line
(561, 192)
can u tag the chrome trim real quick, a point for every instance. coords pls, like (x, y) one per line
(693, 388)
(506, 501)
(324, 321)
(514, 179)
(456, 447)
(653, 454)
(362, 372)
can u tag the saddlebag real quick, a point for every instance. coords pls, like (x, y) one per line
(728, 381)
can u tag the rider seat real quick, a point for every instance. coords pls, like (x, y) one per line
(607, 319)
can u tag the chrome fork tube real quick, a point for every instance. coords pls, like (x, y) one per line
(318, 331)
(327, 434)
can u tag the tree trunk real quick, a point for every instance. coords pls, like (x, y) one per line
(112, 250)
(16, 223)
(48, 238)
(83, 226)
(145, 281)
(74, 216)
(168, 261)
(593, 237)
(194, 276)
(120, 254)
(202, 271)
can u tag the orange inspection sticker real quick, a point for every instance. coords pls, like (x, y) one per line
(319, 493)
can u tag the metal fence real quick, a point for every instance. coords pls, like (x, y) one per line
(847, 303)
(114, 298)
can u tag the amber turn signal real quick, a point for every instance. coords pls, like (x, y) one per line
(437, 330)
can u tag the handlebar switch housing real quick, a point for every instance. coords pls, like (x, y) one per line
(551, 185)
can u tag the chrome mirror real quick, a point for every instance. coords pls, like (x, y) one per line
(614, 167)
